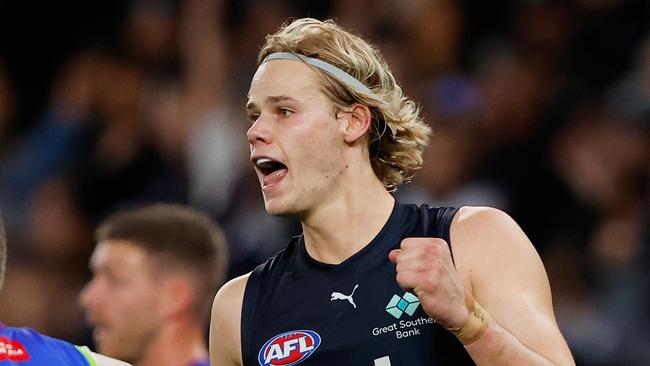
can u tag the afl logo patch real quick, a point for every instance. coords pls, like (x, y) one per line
(289, 348)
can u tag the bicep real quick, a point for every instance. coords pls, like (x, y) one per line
(509, 280)
(225, 324)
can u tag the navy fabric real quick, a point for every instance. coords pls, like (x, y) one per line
(297, 310)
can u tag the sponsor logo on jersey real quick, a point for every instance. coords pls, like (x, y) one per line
(12, 351)
(400, 305)
(289, 348)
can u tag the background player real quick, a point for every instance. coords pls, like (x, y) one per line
(24, 346)
(155, 270)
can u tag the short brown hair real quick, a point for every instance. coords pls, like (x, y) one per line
(181, 237)
(398, 134)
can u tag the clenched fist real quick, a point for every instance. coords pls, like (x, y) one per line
(424, 265)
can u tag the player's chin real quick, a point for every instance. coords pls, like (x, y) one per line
(277, 207)
(276, 211)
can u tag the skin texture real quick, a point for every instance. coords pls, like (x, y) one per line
(329, 184)
(274, 134)
(524, 330)
(126, 324)
(140, 313)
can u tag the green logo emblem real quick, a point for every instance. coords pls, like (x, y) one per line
(400, 305)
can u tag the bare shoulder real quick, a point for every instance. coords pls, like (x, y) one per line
(231, 293)
(504, 272)
(477, 232)
(486, 241)
(225, 324)
(475, 221)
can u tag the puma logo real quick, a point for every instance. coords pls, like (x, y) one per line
(340, 296)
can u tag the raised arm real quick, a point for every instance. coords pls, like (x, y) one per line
(225, 324)
(496, 266)
(508, 279)
(203, 56)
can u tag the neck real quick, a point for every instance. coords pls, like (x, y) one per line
(179, 343)
(349, 220)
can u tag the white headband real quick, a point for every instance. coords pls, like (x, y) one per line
(334, 71)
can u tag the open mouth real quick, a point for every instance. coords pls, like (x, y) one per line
(269, 166)
(272, 171)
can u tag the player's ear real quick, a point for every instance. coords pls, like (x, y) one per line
(177, 296)
(358, 120)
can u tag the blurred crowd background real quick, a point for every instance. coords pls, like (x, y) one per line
(539, 107)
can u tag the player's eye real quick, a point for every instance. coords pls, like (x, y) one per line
(253, 117)
(285, 112)
(114, 280)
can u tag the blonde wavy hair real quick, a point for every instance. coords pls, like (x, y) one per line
(397, 134)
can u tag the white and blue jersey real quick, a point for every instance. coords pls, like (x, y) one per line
(297, 310)
(27, 347)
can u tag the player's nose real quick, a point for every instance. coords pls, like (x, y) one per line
(259, 132)
(88, 297)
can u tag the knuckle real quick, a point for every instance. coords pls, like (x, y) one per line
(442, 245)
(430, 255)
(430, 252)
(406, 243)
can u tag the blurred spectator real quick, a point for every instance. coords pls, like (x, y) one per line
(6, 107)
(603, 160)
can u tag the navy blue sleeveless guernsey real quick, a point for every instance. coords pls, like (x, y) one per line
(297, 310)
